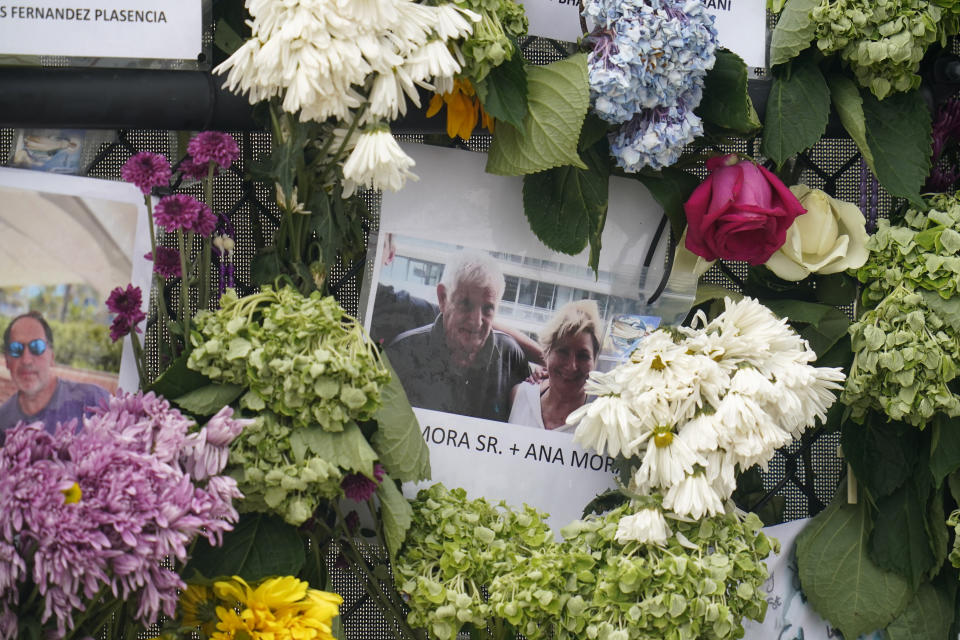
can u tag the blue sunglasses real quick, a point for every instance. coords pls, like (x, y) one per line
(37, 347)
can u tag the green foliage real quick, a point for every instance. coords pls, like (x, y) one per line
(503, 93)
(397, 440)
(898, 132)
(848, 105)
(797, 109)
(567, 207)
(842, 583)
(260, 546)
(396, 514)
(944, 447)
(794, 31)
(899, 540)
(348, 449)
(726, 103)
(207, 400)
(493, 42)
(884, 455)
(671, 187)
(927, 617)
(557, 101)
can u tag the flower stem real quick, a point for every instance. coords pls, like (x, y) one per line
(205, 254)
(184, 287)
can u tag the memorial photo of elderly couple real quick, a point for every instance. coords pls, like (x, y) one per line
(489, 334)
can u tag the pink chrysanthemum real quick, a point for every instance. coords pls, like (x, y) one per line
(359, 487)
(126, 304)
(147, 170)
(205, 223)
(193, 169)
(166, 262)
(177, 211)
(99, 511)
(213, 146)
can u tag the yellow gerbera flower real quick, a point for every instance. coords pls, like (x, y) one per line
(463, 109)
(278, 608)
(198, 608)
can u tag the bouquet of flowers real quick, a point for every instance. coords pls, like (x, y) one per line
(91, 520)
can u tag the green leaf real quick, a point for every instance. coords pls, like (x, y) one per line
(396, 515)
(836, 289)
(566, 206)
(948, 310)
(899, 540)
(826, 332)
(178, 380)
(260, 546)
(265, 266)
(883, 454)
(944, 447)
(794, 31)
(898, 134)
(398, 441)
(557, 101)
(225, 38)
(594, 129)
(348, 448)
(841, 581)
(937, 531)
(797, 110)
(707, 292)
(671, 188)
(503, 93)
(845, 95)
(207, 400)
(726, 102)
(927, 617)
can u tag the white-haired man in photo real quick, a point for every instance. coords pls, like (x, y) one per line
(460, 363)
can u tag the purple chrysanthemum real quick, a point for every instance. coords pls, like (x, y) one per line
(99, 511)
(147, 170)
(166, 262)
(193, 169)
(359, 487)
(205, 222)
(125, 301)
(213, 146)
(120, 327)
(205, 452)
(177, 211)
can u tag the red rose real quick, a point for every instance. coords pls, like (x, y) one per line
(740, 212)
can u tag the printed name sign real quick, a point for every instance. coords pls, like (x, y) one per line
(741, 24)
(168, 30)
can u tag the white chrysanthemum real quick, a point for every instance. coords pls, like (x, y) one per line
(376, 162)
(647, 526)
(750, 331)
(750, 382)
(721, 473)
(701, 433)
(389, 93)
(693, 497)
(455, 22)
(605, 425)
(433, 63)
(667, 460)
(812, 400)
(317, 54)
(749, 433)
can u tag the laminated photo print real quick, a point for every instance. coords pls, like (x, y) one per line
(493, 335)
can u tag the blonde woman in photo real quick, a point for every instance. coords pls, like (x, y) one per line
(571, 342)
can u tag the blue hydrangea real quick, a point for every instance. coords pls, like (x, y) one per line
(647, 54)
(655, 137)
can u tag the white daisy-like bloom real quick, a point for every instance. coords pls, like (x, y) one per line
(388, 96)
(750, 382)
(721, 472)
(376, 162)
(813, 398)
(750, 331)
(750, 434)
(693, 497)
(606, 425)
(667, 460)
(701, 433)
(647, 526)
(317, 54)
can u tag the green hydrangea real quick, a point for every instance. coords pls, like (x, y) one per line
(954, 521)
(502, 23)
(471, 563)
(883, 41)
(300, 357)
(907, 343)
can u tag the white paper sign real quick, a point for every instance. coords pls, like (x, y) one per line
(456, 206)
(167, 29)
(741, 24)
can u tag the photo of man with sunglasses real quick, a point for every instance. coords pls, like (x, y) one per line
(41, 395)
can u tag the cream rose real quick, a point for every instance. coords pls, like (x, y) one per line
(829, 238)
